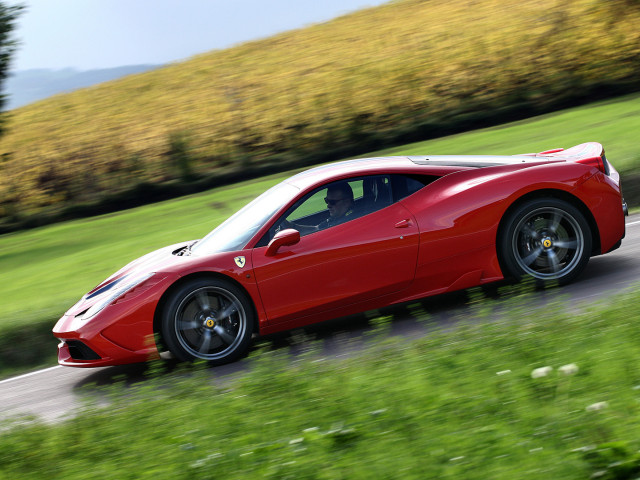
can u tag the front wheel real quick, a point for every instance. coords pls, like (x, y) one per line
(208, 319)
(547, 239)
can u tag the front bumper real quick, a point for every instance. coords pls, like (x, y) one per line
(76, 353)
(121, 333)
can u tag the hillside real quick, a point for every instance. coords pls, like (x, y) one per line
(406, 70)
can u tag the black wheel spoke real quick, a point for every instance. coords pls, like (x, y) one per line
(570, 244)
(532, 257)
(204, 344)
(226, 337)
(554, 222)
(203, 301)
(187, 325)
(227, 312)
(553, 259)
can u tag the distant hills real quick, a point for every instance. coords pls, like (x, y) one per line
(28, 86)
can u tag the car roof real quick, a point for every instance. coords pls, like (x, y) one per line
(437, 165)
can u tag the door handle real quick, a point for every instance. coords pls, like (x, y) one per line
(403, 223)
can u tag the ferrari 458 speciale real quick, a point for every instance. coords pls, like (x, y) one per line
(349, 237)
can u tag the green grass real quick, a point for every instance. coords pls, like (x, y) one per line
(457, 403)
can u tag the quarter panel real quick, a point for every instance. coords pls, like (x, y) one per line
(459, 215)
(603, 198)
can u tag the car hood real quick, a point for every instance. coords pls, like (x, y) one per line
(160, 259)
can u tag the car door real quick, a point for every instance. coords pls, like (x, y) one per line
(366, 257)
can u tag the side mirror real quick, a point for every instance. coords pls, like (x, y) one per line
(282, 238)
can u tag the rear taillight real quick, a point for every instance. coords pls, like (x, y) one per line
(599, 162)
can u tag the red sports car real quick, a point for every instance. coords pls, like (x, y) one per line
(349, 237)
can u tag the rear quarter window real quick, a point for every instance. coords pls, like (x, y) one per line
(405, 185)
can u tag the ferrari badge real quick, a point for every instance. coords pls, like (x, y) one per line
(240, 261)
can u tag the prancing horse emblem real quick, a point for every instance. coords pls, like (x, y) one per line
(240, 261)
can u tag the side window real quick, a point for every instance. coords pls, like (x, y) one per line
(310, 210)
(333, 204)
(376, 193)
(405, 185)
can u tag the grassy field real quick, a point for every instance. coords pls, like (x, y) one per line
(528, 396)
(405, 70)
(44, 271)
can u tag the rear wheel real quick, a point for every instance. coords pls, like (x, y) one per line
(208, 319)
(547, 239)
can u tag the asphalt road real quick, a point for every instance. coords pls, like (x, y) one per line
(57, 392)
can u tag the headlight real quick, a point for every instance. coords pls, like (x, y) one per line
(124, 285)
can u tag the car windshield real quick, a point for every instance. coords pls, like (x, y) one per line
(237, 230)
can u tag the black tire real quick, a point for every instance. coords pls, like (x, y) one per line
(547, 239)
(209, 319)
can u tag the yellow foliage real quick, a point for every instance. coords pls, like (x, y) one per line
(384, 69)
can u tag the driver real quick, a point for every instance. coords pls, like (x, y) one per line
(339, 202)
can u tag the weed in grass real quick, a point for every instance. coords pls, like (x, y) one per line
(379, 326)
(612, 461)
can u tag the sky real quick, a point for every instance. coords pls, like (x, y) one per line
(93, 34)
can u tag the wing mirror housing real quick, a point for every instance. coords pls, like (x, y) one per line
(281, 239)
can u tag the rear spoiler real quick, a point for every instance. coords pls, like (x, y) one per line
(591, 154)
